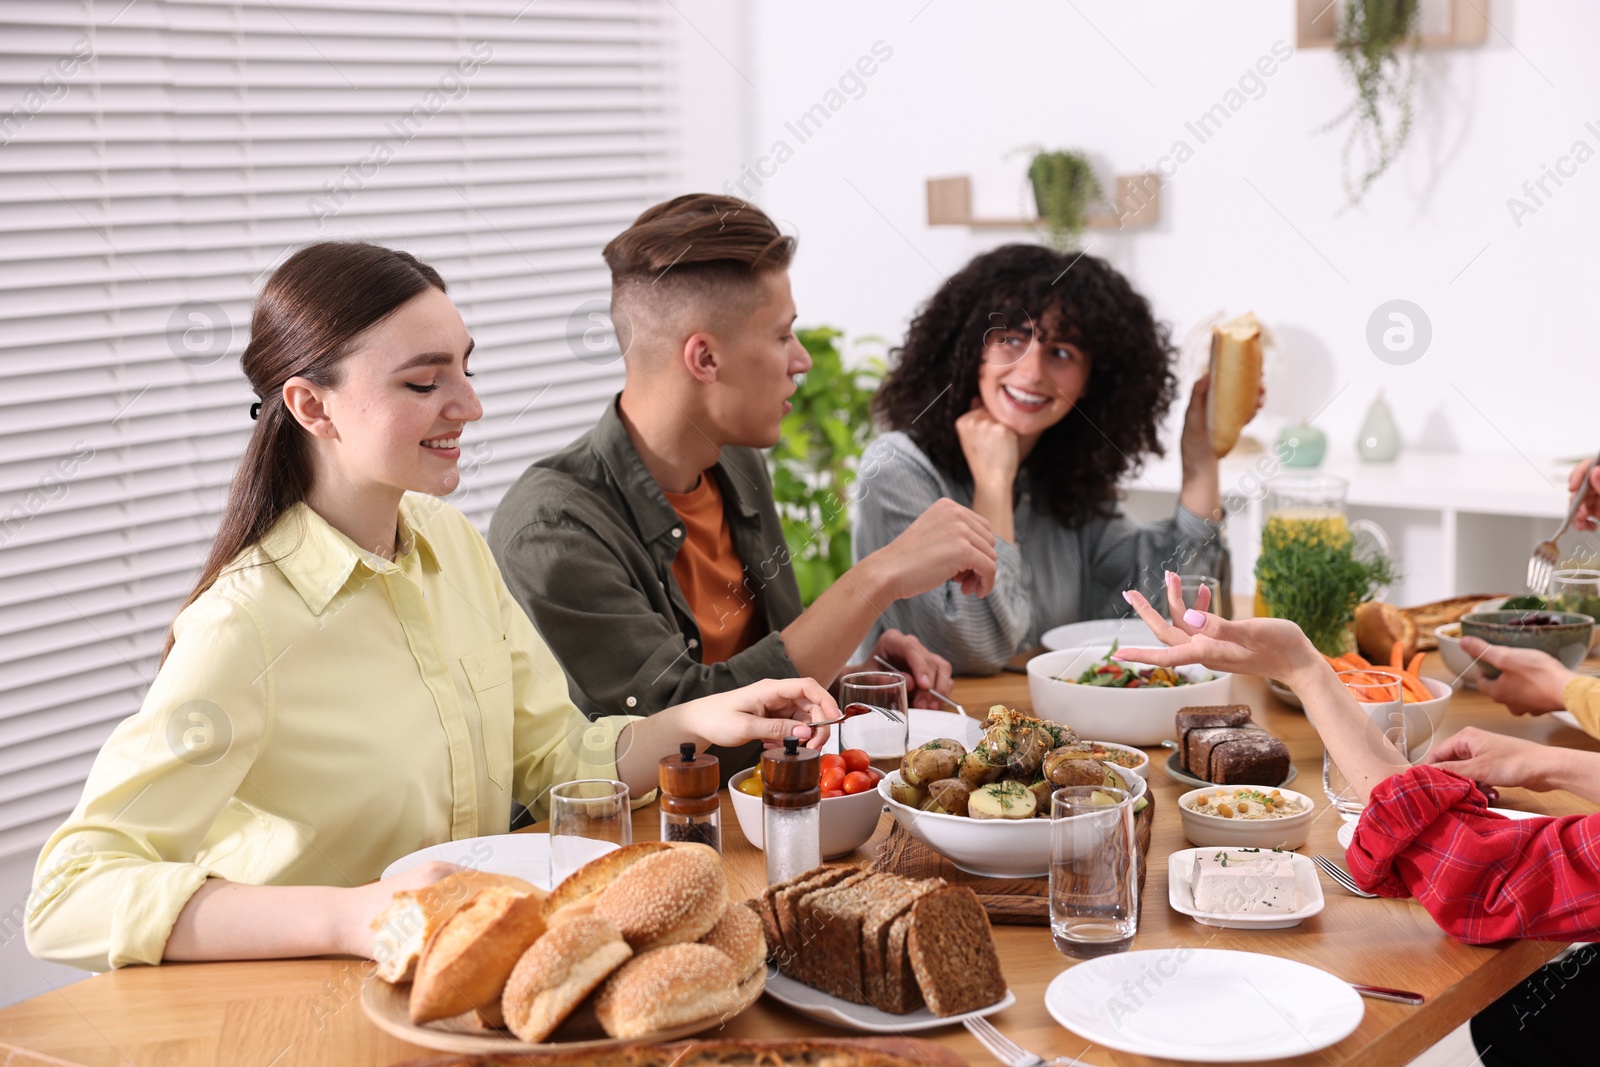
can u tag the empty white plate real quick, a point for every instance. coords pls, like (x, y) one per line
(815, 1004)
(1180, 892)
(1206, 1005)
(525, 856)
(1129, 633)
(1567, 716)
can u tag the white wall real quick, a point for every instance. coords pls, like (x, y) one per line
(1253, 220)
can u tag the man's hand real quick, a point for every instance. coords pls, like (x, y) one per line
(946, 543)
(1530, 682)
(923, 670)
(1492, 759)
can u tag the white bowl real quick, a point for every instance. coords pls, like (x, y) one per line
(1455, 657)
(1126, 716)
(847, 821)
(1423, 718)
(1209, 831)
(1142, 768)
(992, 848)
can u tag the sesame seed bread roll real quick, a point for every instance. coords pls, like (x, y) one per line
(580, 887)
(665, 988)
(665, 898)
(738, 936)
(1235, 380)
(401, 930)
(564, 966)
(465, 966)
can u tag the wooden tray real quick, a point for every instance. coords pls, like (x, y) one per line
(387, 1006)
(1014, 901)
(767, 1053)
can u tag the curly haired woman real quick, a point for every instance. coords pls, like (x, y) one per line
(1029, 386)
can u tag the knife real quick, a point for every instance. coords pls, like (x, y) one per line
(1378, 992)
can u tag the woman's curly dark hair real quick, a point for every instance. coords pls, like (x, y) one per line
(1078, 463)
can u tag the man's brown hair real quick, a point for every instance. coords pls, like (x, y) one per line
(698, 249)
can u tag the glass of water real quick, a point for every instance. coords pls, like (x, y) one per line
(883, 738)
(1381, 696)
(1094, 871)
(1577, 590)
(581, 813)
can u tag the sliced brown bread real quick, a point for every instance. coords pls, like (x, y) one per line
(1244, 757)
(901, 993)
(831, 922)
(876, 960)
(952, 952)
(1203, 717)
(801, 962)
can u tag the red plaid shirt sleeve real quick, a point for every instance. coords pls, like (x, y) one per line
(1428, 833)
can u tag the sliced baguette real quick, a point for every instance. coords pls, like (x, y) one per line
(401, 930)
(465, 965)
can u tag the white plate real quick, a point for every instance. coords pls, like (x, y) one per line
(815, 1004)
(1567, 716)
(525, 856)
(1347, 831)
(1205, 1005)
(928, 725)
(1129, 632)
(1180, 892)
(1175, 771)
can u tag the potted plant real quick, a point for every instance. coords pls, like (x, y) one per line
(1377, 45)
(1064, 186)
(1312, 574)
(814, 462)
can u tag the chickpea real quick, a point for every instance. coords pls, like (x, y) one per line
(1225, 810)
(1244, 806)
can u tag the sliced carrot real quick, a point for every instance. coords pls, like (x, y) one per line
(1358, 660)
(1397, 656)
(1414, 687)
(1414, 668)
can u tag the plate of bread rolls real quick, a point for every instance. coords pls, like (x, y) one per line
(640, 944)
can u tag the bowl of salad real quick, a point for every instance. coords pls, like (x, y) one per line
(1127, 703)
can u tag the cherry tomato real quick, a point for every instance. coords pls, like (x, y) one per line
(855, 759)
(857, 782)
(751, 785)
(877, 775)
(829, 794)
(832, 778)
(832, 759)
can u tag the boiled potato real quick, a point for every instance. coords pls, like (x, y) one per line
(1009, 799)
(929, 763)
(1059, 734)
(904, 793)
(1041, 790)
(1018, 746)
(1070, 771)
(979, 767)
(949, 743)
(948, 796)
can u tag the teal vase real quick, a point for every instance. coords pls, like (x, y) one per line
(1301, 445)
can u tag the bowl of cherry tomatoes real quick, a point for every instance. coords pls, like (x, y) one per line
(851, 804)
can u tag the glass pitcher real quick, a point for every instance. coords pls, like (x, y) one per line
(1311, 507)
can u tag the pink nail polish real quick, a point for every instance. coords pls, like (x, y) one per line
(1194, 618)
(1128, 596)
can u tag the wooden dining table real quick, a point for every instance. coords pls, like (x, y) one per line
(289, 1013)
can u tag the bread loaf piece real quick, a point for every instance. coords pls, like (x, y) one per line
(557, 972)
(403, 929)
(667, 987)
(1203, 717)
(738, 936)
(1238, 755)
(876, 960)
(585, 883)
(798, 961)
(1235, 380)
(952, 952)
(465, 966)
(831, 922)
(666, 897)
(1379, 626)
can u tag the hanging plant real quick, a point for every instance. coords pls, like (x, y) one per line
(1377, 45)
(1064, 186)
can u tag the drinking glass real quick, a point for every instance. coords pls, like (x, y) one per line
(1576, 590)
(1381, 696)
(1192, 584)
(589, 809)
(1094, 871)
(885, 740)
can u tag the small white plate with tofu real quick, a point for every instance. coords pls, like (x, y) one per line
(1243, 888)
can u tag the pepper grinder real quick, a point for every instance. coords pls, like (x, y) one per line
(791, 810)
(691, 810)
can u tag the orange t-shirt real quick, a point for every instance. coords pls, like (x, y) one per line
(711, 575)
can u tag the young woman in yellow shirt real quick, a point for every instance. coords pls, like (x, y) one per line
(350, 680)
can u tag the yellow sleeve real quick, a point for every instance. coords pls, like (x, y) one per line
(1582, 698)
(555, 743)
(110, 883)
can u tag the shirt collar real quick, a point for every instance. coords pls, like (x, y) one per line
(652, 514)
(318, 560)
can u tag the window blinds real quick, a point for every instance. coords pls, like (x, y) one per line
(157, 159)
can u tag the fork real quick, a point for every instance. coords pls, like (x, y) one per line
(959, 709)
(1342, 876)
(1545, 554)
(1006, 1050)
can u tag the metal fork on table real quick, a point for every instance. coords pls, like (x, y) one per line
(1342, 876)
(1006, 1050)
(1541, 564)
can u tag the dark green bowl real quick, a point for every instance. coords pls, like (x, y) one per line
(1567, 640)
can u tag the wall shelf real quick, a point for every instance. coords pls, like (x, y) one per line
(1464, 23)
(1138, 203)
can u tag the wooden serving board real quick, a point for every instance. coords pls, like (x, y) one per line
(766, 1053)
(1013, 901)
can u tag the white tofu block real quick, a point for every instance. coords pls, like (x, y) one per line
(1233, 883)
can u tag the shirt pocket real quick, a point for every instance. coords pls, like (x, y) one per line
(488, 671)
